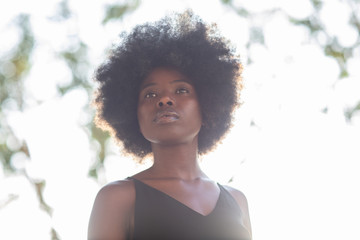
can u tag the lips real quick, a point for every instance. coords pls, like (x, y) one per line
(166, 116)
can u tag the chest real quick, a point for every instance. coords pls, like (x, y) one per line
(201, 198)
(172, 215)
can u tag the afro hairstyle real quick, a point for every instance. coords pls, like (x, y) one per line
(180, 41)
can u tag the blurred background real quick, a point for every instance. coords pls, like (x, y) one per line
(294, 149)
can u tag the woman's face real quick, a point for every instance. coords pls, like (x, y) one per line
(168, 108)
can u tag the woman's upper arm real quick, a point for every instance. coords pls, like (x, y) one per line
(112, 212)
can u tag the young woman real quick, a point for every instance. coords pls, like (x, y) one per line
(169, 90)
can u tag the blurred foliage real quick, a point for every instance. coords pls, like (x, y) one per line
(118, 11)
(331, 46)
(101, 139)
(15, 65)
(351, 111)
(63, 11)
(238, 9)
(76, 58)
(11, 197)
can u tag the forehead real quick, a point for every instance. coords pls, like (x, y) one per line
(164, 75)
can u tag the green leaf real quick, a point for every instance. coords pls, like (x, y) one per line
(317, 4)
(118, 11)
(349, 113)
(311, 23)
(226, 2)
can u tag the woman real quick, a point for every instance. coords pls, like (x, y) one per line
(169, 90)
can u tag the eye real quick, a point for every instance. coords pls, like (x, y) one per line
(150, 95)
(182, 90)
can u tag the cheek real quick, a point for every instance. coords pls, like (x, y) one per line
(140, 118)
(199, 111)
(143, 120)
(200, 118)
(194, 114)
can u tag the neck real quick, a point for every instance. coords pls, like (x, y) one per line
(180, 161)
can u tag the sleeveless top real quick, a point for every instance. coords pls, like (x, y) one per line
(159, 216)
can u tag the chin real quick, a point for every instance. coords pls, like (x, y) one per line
(172, 139)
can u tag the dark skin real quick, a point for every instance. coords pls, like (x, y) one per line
(170, 118)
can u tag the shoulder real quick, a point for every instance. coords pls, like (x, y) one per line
(238, 196)
(117, 189)
(119, 194)
(243, 204)
(112, 212)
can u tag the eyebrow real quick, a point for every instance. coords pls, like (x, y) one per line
(153, 84)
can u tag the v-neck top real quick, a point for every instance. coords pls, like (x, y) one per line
(160, 216)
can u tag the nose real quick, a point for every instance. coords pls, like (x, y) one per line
(165, 100)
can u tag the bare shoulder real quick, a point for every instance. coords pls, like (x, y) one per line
(243, 204)
(239, 196)
(123, 189)
(120, 194)
(112, 213)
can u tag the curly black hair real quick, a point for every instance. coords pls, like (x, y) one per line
(180, 41)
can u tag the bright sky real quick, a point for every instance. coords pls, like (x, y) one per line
(297, 165)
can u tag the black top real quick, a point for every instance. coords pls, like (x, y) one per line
(159, 216)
